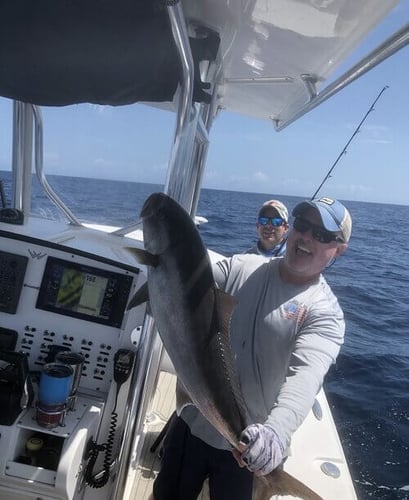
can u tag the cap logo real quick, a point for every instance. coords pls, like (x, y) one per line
(327, 201)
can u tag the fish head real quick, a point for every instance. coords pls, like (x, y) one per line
(165, 223)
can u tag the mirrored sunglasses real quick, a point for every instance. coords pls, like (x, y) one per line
(274, 221)
(318, 233)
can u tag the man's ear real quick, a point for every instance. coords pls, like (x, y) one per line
(341, 248)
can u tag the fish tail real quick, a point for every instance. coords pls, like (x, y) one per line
(280, 482)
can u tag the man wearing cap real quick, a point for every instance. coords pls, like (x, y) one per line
(286, 331)
(272, 227)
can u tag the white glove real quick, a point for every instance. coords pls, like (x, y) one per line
(264, 450)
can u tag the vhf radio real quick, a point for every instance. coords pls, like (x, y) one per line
(123, 363)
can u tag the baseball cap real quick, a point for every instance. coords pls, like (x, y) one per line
(278, 206)
(335, 217)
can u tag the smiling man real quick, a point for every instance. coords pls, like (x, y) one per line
(321, 231)
(272, 227)
(286, 331)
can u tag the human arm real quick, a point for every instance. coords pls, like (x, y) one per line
(314, 348)
(231, 273)
(221, 271)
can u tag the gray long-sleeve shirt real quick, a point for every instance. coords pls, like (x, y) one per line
(284, 338)
(277, 251)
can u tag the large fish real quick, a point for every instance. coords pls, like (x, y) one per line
(192, 316)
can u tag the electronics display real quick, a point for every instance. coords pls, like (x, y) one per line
(12, 271)
(84, 292)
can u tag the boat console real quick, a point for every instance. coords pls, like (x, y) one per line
(55, 299)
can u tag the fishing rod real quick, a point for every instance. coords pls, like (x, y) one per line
(328, 175)
(343, 152)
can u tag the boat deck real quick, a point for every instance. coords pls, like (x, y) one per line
(162, 407)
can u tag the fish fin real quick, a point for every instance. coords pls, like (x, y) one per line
(143, 256)
(279, 482)
(225, 303)
(182, 397)
(141, 296)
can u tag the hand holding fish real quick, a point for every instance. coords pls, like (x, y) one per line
(262, 449)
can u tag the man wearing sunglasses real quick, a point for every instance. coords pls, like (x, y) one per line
(272, 227)
(286, 331)
(320, 234)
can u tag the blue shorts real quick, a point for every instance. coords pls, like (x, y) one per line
(187, 461)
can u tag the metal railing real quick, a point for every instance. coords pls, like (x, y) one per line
(386, 49)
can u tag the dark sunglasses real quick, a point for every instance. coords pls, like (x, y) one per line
(318, 233)
(274, 221)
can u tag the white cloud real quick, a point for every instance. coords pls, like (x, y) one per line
(378, 134)
(104, 163)
(260, 176)
(98, 108)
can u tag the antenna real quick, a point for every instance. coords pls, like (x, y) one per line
(328, 175)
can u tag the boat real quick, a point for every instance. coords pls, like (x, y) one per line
(65, 284)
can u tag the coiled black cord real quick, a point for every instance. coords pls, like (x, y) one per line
(99, 481)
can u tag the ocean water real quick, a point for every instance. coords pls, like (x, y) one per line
(368, 388)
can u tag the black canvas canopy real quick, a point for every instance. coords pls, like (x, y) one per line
(59, 52)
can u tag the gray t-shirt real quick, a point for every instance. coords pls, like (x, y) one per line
(284, 339)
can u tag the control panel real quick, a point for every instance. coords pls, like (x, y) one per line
(68, 348)
(52, 298)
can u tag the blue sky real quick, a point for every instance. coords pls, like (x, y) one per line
(133, 143)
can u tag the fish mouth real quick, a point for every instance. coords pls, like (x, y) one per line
(152, 204)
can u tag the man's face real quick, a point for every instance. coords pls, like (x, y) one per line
(305, 256)
(270, 235)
